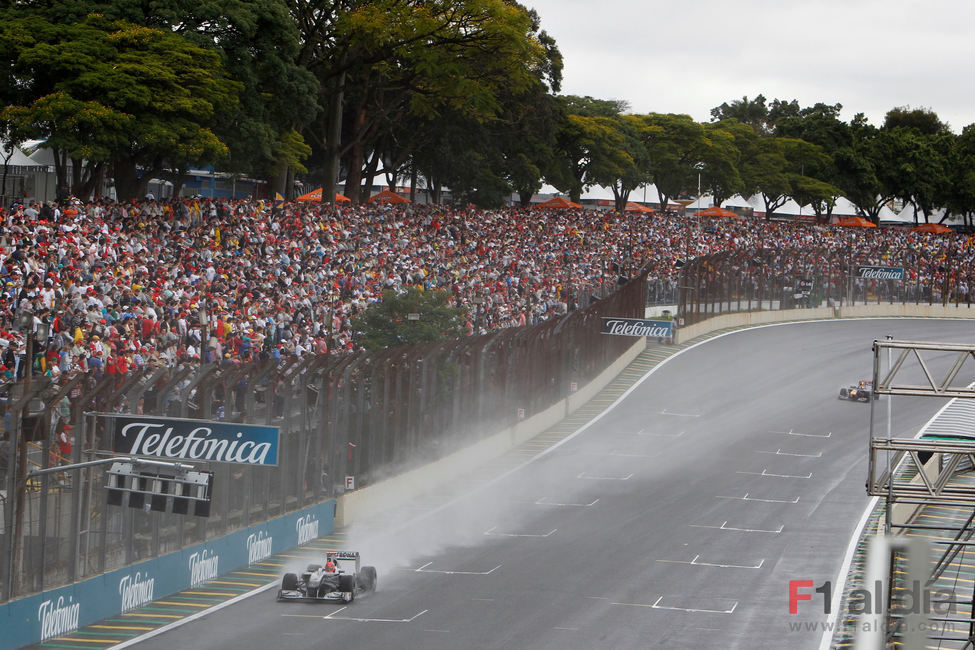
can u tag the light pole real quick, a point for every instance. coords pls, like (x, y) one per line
(478, 301)
(18, 486)
(204, 331)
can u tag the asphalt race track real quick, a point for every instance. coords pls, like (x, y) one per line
(676, 520)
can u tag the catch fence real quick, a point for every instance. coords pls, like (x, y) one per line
(364, 414)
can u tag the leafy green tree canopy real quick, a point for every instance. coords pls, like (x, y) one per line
(390, 323)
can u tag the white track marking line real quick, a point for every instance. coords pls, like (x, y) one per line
(424, 569)
(332, 617)
(567, 629)
(543, 502)
(583, 475)
(725, 526)
(790, 432)
(490, 532)
(765, 472)
(641, 432)
(712, 564)
(656, 605)
(680, 415)
(748, 498)
(779, 452)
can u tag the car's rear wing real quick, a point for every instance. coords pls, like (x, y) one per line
(342, 555)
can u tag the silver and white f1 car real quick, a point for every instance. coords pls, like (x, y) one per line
(340, 578)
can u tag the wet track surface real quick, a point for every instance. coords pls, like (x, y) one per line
(676, 520)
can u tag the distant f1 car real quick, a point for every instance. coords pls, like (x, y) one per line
(860, 392)
(340, 578)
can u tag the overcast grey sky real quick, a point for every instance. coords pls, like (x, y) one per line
(690, 56)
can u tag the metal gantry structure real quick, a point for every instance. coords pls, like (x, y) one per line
(927, 483)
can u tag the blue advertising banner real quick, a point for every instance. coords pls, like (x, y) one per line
(61, 611)
(880, 272)
(199, 440)
(636, 327)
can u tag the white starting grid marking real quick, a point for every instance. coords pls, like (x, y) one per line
(544, 502)
(725, 526)
(490, 532)
(712, 564)
(680, 415)
(765, 472)
(334, 617)
(694, 610)
(790, 432)
(748, 498)
(583, 475)
(779, 452)
(424, 569)
(643, 432)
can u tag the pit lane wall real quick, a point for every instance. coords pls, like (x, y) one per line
(745, 319)
(374, 499)
(59, 611)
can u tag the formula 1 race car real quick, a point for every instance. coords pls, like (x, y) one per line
(339, 578)
(860, 392)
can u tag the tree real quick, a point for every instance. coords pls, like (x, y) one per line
(961, 198)
(752, 112)
(385, 57)
(587, 139)
(391, 322)
(112, 91)
(675, 146)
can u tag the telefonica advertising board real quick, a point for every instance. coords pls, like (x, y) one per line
(635, 327)
(880, 272)
(194, 440)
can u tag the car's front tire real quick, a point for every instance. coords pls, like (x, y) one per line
(289, 582)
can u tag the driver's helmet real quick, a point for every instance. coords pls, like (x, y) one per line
(330, 566)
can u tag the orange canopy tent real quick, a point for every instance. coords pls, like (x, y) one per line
(933, 228)
(856, 222)
(316, 195)
(388, 197)
(559, 203)
(716, 211)
(636, 207)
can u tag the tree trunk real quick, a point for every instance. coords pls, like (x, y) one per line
(126, 178)
(333, 138)
(370, 174)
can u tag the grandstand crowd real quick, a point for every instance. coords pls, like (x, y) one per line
(122, 285)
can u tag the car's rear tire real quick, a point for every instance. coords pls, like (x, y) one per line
(312, 568)
(289, 582)
(367, 579)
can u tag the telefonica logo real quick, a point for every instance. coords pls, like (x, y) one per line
(258, 547)
(153, 439)
(203, 566)
(880, 272)
(58, 617)
(307, 529)
(136, 590)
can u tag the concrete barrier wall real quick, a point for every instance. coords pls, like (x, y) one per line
(917, 311)
(371, 500)
(59, 611)
(744, 319)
